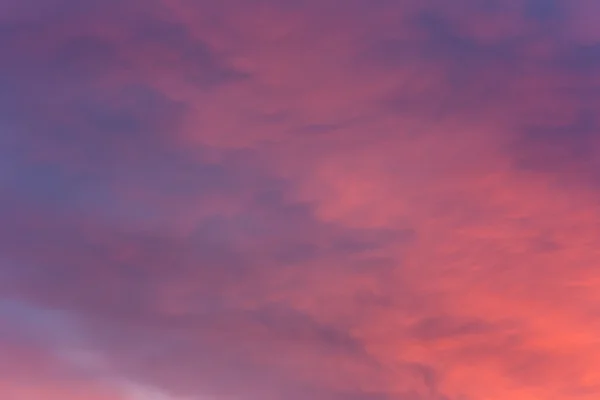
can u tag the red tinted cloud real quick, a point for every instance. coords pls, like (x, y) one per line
(326, 200)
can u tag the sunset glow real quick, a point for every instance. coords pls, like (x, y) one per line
(300, 200)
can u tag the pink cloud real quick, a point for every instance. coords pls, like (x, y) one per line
(325, 200)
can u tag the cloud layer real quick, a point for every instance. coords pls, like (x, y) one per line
(275, 199)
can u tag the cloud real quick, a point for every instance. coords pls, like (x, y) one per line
(273, 199)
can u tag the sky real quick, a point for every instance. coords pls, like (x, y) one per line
(300, 200)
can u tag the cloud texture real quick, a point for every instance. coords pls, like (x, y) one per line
(309, 199)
